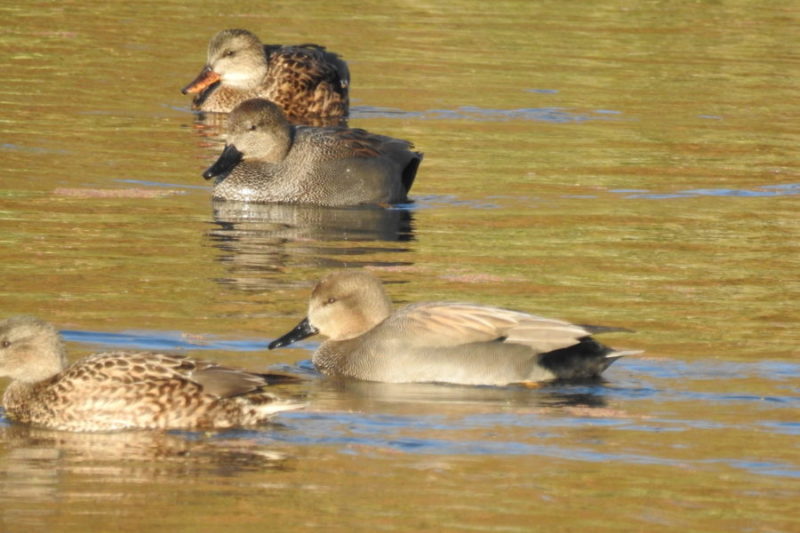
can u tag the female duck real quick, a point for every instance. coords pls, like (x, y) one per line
(119, 390)
(461, 343)
(266, 159)
(309, 83)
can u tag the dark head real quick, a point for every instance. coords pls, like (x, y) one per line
(257, 131)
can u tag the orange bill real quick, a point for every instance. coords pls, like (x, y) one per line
(204, 79)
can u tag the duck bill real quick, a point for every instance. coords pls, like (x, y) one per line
(301, 331)
(228, 159)
(206, 78)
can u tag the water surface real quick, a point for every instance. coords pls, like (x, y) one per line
(624, 164)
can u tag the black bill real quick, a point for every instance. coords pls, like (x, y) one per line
(228, 159)
(301, 331)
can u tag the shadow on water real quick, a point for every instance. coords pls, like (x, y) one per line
(255, 239)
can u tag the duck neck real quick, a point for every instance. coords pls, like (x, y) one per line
(380, 309)
(45, 368)
(280, 144)
(248, 81)
(16, 396)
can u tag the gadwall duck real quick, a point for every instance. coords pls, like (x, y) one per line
(308, 82)
(267, 159)
(445, 342)
(123, 390)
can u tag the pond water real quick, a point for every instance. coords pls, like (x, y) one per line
(622, 163)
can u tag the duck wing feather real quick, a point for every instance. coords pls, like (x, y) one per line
(451, 324)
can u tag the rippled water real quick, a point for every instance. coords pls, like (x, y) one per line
(623, 164)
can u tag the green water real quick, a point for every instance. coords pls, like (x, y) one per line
(628, 164)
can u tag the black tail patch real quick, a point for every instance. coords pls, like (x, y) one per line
(410, 172)
(587, 359)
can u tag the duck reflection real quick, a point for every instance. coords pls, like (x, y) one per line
(347, 395)
(39, 466)
(259, 240)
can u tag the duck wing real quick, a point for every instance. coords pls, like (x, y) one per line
(308, 64)
(345, 143)
(224, 381)
(307, 81)
(444, 324)
(331, 59)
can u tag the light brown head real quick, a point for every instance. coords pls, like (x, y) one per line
(30, 349)
(343, 305)
(236, 59)
(237, 56)
(348, 303)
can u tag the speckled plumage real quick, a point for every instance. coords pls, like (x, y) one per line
(310, 83)
(269, 160)
(446, 342)
(124, 390)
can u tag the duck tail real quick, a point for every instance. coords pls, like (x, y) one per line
(264, 405)
(617, 354)
(410, 172)
(585, 360)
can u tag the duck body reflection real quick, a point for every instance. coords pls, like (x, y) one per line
(258, 242)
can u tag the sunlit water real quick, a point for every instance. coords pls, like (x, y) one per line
(623, 164)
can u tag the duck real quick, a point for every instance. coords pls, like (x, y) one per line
(307, 81)
(269, 160)
(441, 342)
(125, 390)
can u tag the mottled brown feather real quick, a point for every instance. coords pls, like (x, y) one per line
(124, 390)
(310, 83)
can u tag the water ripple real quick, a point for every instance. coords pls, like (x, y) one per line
(787, 189)
(358, 434)
(162, 340)
(480, 114)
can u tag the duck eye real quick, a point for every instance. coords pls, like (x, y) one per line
(228, 53)
(5, 343)
(252, 127)
(330, 300)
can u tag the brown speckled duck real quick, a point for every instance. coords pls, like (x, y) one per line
(309, 83)
(444, 342)
(124, 390)
(267, 159)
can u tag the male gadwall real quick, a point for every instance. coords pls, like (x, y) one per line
(124, 390)
(308, 82)
(267, 159)
(446, 342)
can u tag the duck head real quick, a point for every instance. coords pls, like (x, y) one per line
(236, 59)
(30, 349)
(344, 304)
(257, 131)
